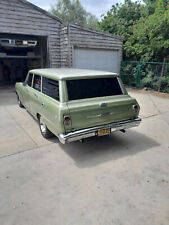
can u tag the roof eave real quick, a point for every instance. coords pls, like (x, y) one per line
(94, 31)
(41, 10)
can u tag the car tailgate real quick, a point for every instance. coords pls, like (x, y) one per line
(98, 111)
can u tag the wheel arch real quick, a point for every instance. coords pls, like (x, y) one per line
(38, 115)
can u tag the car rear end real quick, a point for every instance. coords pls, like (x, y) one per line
(97, 105)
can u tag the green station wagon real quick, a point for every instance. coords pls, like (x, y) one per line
(74, 104)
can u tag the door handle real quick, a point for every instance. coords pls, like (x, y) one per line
(103, 104)
(36, 95)
(42, 104)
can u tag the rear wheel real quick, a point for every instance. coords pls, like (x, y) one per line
(46, 133)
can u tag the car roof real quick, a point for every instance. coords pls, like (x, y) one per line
(67, 73)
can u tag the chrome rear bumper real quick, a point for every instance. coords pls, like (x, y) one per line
(89, 132)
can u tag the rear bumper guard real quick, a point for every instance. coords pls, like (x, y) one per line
(90, 132)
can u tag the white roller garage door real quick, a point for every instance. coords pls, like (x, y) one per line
(107, 60)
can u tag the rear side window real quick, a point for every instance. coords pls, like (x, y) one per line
(37, 82)
(92, 88)
(29, 81)
(50, 87)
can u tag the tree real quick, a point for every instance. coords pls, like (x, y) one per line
(73, 12)
(121, 18)
(150, 39)
(145, 28)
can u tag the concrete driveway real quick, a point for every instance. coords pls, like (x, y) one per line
(121, 179)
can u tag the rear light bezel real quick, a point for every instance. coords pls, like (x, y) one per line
(67, 120)
(135, 108)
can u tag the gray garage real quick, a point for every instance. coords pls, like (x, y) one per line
(90, 49)
(32, 38)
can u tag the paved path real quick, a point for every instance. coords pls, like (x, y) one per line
(117, 179)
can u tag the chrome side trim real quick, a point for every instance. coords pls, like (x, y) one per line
(103, 104)
(89, 132)
(100, 115)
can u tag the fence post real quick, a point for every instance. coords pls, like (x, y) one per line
(121, 70)
(138, 79)
(162, 73)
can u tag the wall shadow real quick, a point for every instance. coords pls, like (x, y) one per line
(98, 150)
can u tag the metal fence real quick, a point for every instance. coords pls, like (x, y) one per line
(152, 75)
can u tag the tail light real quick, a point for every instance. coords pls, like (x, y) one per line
(135, 108)
(67, 120)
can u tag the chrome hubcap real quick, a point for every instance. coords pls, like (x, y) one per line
(18, 100)
(42, 125)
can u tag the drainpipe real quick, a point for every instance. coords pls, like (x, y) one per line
(69, 47)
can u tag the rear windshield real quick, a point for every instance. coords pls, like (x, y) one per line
(92, 88)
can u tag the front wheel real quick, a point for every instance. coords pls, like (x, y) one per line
(43, 128)
(19, 102)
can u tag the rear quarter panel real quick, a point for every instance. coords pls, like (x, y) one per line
(53, 112)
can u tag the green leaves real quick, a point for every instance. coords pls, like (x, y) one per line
(73, 12)
(145, 28)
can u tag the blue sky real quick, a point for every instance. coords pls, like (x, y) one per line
(97, 7)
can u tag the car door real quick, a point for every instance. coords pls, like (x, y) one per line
(24, 97)
(35, 96)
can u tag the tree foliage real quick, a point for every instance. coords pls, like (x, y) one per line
(145, 28)
(71, 11)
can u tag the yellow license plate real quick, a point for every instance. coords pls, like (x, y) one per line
(18, 42)
(103, 132)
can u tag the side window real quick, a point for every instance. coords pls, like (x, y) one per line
(37, 82)
(50, 87)
(29, 81)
